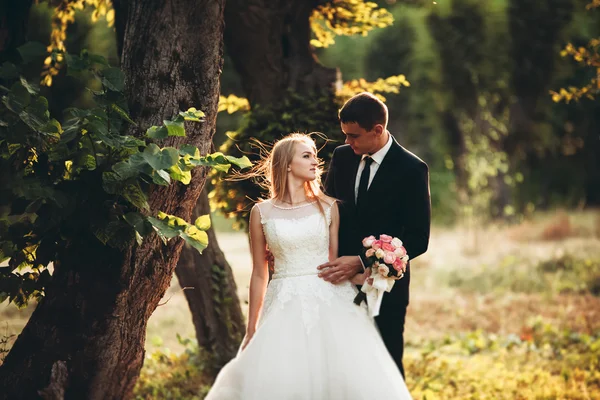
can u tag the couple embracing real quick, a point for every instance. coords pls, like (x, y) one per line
(306, 338)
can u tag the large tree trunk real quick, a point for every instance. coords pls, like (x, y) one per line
(269, 44)
(212, 296)
(86, 337)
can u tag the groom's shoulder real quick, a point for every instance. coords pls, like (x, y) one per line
(412, 160)
(343, 150)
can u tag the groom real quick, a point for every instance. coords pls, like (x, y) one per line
(382, 188)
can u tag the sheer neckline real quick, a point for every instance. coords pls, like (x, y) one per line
(292, 207)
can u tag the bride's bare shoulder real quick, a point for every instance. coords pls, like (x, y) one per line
(327, 201)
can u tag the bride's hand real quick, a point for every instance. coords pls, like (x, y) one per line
(359, 279)
(247, 338)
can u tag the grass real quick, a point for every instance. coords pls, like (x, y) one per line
(505, 312)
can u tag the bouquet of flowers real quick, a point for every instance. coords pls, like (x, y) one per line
(387, 259)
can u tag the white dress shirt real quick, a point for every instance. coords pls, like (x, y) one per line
(377, 160)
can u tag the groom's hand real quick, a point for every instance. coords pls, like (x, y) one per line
(341, 269)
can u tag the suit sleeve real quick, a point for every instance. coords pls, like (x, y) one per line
(416, 233)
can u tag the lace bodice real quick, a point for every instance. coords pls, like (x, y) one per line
(298, 238)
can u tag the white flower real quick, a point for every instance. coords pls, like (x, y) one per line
(400, 252)
(396, 242)
(383, 270)
(380, 253)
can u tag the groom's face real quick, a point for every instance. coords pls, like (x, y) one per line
(361, 140)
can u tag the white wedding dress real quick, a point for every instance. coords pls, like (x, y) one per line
(312, 341)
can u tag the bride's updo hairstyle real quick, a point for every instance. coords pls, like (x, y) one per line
(272, 171)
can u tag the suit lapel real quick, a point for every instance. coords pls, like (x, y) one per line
(353, 169)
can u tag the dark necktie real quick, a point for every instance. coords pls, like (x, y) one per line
(363, 184)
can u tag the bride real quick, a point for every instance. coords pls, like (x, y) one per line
(305, 338)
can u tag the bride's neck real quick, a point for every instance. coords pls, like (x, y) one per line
(295, 194)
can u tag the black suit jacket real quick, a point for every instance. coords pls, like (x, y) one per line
(397, 204)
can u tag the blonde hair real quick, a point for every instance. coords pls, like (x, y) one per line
(272, 170)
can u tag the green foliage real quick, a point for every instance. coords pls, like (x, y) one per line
(541, 363)
(486, 165)
(566, 274)
(294, 113)
(346, 17)
(174, 376)
(222, 300)
(85, 177)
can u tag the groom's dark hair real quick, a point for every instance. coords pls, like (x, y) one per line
(366, 110)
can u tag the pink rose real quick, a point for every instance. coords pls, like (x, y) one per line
(396, 242)
(400, 251)
(376, 244)
(388, 247)
(385, 238)
(370, 253)
(389, 257)
(368, 241)
(383, 270)
(399, 265)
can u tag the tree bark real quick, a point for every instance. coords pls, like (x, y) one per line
(86, 337)
(212, 296)
(269, 45)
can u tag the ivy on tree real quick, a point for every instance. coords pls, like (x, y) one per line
(84, 176)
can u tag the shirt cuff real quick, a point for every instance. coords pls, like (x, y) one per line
(361, 263)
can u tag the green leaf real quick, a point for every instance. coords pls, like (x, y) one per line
(52, 128)
(192, 115)
(216, 160)
(97, 59)
(161, 177)
(76, 64)
(88, 161)
(175, 128)
(160, 159)
(39, 107)
(139, 223)
(180, 175)
(198, 240)
(163, 228)
(122, 113)
(157, 132)
(139, 238)
(113, 79)
(8, 71)
(240, 162)
(189, 150)
(78, 112)
(133, 193)
(203, 222)
(31, 50)
(18, 98)
(132, 167)
(173, 220)
(31, 88)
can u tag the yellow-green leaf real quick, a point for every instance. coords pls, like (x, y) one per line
(203, 222)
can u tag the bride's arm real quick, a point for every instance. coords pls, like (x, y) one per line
(260, 273)
(334, 227)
